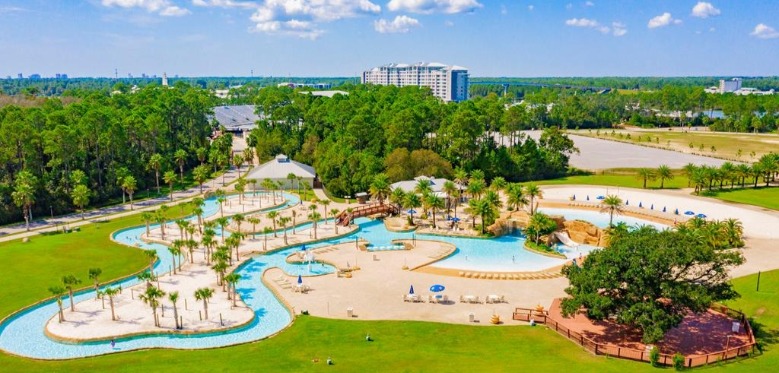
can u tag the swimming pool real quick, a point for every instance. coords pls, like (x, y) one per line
(600, 220)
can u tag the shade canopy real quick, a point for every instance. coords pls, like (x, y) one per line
(437, 288)
(300, 279)
(411, 290)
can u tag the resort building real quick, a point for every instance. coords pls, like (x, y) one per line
(236, 118)
(449, 83)
(734, 86)
(279, 168)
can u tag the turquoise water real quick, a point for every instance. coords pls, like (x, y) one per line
(23, 334)
(600, 220)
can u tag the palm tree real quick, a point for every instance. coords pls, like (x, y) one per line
(94, 274)
(24, 194)
(266, 232)
(150, 297)
(733, 230)
(515, 196)
(129, 185)
(248, 155)
(291, 178)
(208, 242)
(476, 187)
(80, 195)
(689, 170)
(152, 256)
(201, 154)
(174, 297)
(221, 198)
(380, 187)
(272, 216)
(239, 219)
(411, 202)
(220, 257)
(253, 220)
(314, 216)
(283, 221)
(182, 224)
(461, 178)
(533, 191)
(498, 183)
(204, 294)
(325, 203)
(201, 174)
(238, 162)
(70, 281)
(222, 222)
(334, 213)
(58, 292)
(232, 280)
(111, 293)
(423, 187)
(170, 178)
(180, 156)
(397, 197)
(175, 250)
(450, 189)
(294, 215)
(645, 174)
(611, 205)
(664, 173)
(434, 203)
(147, 277)
(155, 162)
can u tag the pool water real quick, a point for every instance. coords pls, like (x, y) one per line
(23, 334)
(600, 220)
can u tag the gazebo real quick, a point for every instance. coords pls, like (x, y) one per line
(279, 168)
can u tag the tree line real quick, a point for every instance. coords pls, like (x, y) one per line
(56, 157)
(351, 138)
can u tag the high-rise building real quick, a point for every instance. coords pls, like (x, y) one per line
(449, 83)
(729, 85)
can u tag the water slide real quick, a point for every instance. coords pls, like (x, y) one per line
(565, 239)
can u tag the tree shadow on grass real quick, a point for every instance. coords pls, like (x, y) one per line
(767, 338)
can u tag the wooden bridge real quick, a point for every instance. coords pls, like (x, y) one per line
(346, 217)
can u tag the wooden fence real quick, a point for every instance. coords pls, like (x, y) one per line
(542, 317)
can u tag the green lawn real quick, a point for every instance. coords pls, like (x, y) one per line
(622, 178)
(763, 197)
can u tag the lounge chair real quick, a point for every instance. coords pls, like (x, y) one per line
(462, 299)
(431, 299)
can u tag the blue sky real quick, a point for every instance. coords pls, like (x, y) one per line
(343, 37)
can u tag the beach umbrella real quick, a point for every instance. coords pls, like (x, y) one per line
(702, 216)
(652, 207)
(304, 248)
(663, 208)
(300, 279)
(412, 211)
(688, 212)
(588, 197)
(676, 211)
(574, 197)
(455, 219)
(411, 290)
(640, 204)
(627, 203)
(600, 197)
(437, 288)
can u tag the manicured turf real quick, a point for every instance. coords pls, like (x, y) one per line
(29, 269)
(617, 178)
(763, 197)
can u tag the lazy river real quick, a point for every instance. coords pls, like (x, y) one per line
(22, 334)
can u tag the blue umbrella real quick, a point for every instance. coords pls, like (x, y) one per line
(411, 291)
(588, 197)
(640, 205)
(676, 211)
(437, 288)
(303, 248)
(574, 197)
(627, 202)
(663, 208)
(300, 279)
(652, 207)
(688, 212)
(455, 220)
(601, 197)
(412, 211)
(702, 216)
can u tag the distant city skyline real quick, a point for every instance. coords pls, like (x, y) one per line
(342, 38)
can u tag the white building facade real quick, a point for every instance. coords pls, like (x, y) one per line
(449, 83)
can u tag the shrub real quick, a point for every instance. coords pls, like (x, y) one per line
(678, 361)
(654, 356)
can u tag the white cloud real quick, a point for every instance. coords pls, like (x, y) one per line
(704, 10)
(663, 20)
(433, 6)
(763, 31)
(398, 25)
(588, 23)
(161, 7)
(619, 29)
(589, 3)
(303, 17)
(225, 4)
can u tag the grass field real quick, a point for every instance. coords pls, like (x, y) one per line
(733, 146)
(626, 178)
(763, 197)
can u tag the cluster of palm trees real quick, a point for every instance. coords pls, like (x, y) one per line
(484, 201)
(732, 175)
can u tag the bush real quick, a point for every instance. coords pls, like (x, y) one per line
(678, 361)
(654, 356)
